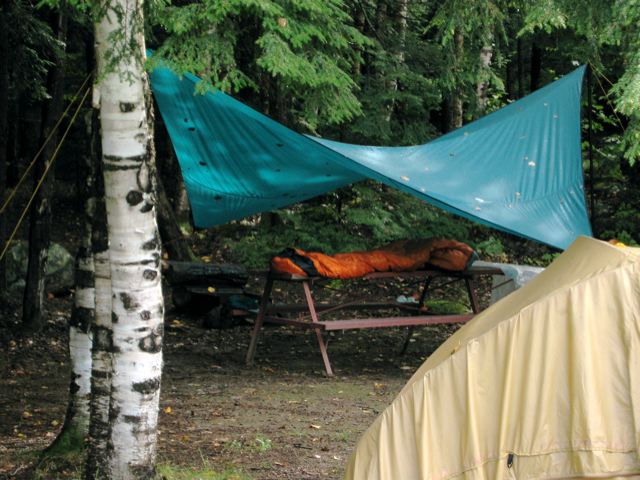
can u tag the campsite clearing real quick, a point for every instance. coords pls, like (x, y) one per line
(281, 419)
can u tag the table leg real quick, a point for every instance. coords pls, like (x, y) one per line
(473, 296)
(423, 297)
(314, 318)
(264, 303)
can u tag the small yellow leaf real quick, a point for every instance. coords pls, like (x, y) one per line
(211, 289)
(317, 427)
(55, 423)
(168, 410)
(206, 258)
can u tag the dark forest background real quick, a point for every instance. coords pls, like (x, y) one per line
(378, 72)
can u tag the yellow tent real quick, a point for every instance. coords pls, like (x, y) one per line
(543, 384)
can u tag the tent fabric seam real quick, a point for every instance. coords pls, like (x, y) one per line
(496, 459)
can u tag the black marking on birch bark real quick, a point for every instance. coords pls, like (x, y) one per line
(114, 317)
(115, 158)
(99, 239)
(141, 137)
(100, 374)
(152, 244)
(114, 412)
(141, 262)
(142, 471)
(147, 387)
(133, 419)
(152, 343)
(134, 197)
(82, 318)
(147, 207)
(149, 274)
(74, 387)
(85, 278)
(83, 253)
(142, 329)
(117, 168)
(126, 107)
(103, 338)
(128, 302)
(100, 391)
(145, 315)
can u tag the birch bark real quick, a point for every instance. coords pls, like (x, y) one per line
(102, 334)
(134, 246)
(76, 423)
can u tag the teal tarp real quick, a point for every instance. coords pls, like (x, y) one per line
(518, 169)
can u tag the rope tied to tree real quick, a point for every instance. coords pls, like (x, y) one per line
(44, 144)
(44, 174)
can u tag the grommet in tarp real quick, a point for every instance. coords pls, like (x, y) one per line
(218, 197)
(510, 460)
(204, 164)
(192, 129)
(279, 144)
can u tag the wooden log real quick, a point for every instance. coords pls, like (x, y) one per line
(180, 273)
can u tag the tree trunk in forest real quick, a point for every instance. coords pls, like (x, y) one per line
(400, 54)
(13, 138)
(536, 67)
(173, 240)
(520, 69)
(76, 422)
(40, 219)
(359, 22)
(483, 85)
(509, 81)
(134, 246)
(455, 105)
(4, 134)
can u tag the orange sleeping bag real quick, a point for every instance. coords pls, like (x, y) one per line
(399, 256)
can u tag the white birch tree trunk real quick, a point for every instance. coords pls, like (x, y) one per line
(101, 354)
(77, 420)
(134, 246)
(76, 423)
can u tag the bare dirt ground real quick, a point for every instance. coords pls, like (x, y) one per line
(281, 419)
